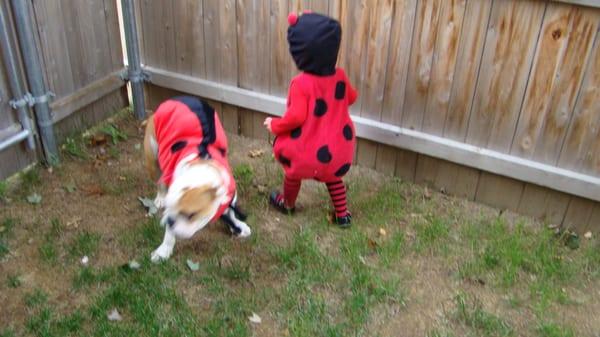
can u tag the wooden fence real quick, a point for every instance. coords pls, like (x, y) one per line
(483, 90)
(82, 58)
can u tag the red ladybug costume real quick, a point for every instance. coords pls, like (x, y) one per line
(186, 125)
(315, 137)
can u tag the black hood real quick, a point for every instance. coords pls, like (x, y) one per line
(314, 43)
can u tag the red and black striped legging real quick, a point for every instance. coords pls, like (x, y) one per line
(336, 188)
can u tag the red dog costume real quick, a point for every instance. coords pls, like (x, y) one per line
(315, 137)
(186, 125)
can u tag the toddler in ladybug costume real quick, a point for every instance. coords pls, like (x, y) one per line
(315, 137)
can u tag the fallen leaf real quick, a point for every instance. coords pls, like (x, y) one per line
(192, 265)
(98, 139)
(93, 189)
(114, 315)
(85, 260)
(2, 229)
(587, 235)
(122, 178)
(261, 188)
(427, 193)
(149, 205)
(133, 264)
(255, 318)
(256, 153)
(50, 170)
(382, 232)
(70, 188)
(373, 244)
(34, 198)
(137, 146)
(74, 223)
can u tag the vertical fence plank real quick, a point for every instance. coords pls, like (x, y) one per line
(280, 56)
(386, 159)
(113, 35)
(470, 51)
(447, 177)
(212, 40)
(380, 23)
(544, 204)
(510, 45)
(419, 73)
(59, 73)
(563, 49)
(499, 191)
(444, 66)
(584, 131)
(406, 163)
(149, 31)
(355, 24)
(366, 153)
(397, 65)
(198, 43)
(579, 213)
(184, 12)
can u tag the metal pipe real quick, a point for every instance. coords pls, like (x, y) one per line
(15, 78)
(16, 138)
(135, 74)
(33, 70)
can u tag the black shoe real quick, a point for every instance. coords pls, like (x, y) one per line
(343, 221)
(276, 199)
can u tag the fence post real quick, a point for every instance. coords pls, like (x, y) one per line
(33, 70)
(19, 101)
(134, 68)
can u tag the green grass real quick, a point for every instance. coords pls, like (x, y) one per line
(75, 148)
(113, 132)
(84, 243)
(3, 190)
(547, 329)
(48, 249)
(243, 174)
(7, 332)
(470, 312)
(13, 281)
(6, 228)
(432, 233)
(29, 180)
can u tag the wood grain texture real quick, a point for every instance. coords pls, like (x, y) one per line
(253, 44)
(470, 51)
(543, 203)
(186, 13)
(580, 148)
(563, 49)
(378, 45)
(398, 60)
(513, 28)
(280, 73)
(447, 177)
(444, 66)
(386, 159)
(366, 153)
(421, 58)
(113, 35)
(406, 164)
(579, 213)
(499, 191)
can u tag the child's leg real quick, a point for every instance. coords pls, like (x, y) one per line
(287, 201)
(291, 188)
(337, 192)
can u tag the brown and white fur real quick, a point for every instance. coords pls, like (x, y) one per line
(197, 190)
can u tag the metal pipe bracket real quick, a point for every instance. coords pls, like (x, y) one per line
(135, 76)
(29, 100)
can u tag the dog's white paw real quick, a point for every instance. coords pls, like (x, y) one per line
(159, 201)
(245, 230)
(161, 253)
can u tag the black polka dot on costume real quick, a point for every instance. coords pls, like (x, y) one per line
(342, 170)
(340, 90)
(178, 146)
(223, 151)
(323, 154)
(296, 133)
(285, 161)
(320, 107)
(348, 132)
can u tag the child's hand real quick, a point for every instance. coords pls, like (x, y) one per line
(267, 124)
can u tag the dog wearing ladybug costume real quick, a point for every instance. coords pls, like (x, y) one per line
(186, 152)
(315, 138)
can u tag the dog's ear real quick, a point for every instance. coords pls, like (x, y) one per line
(197, 201)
